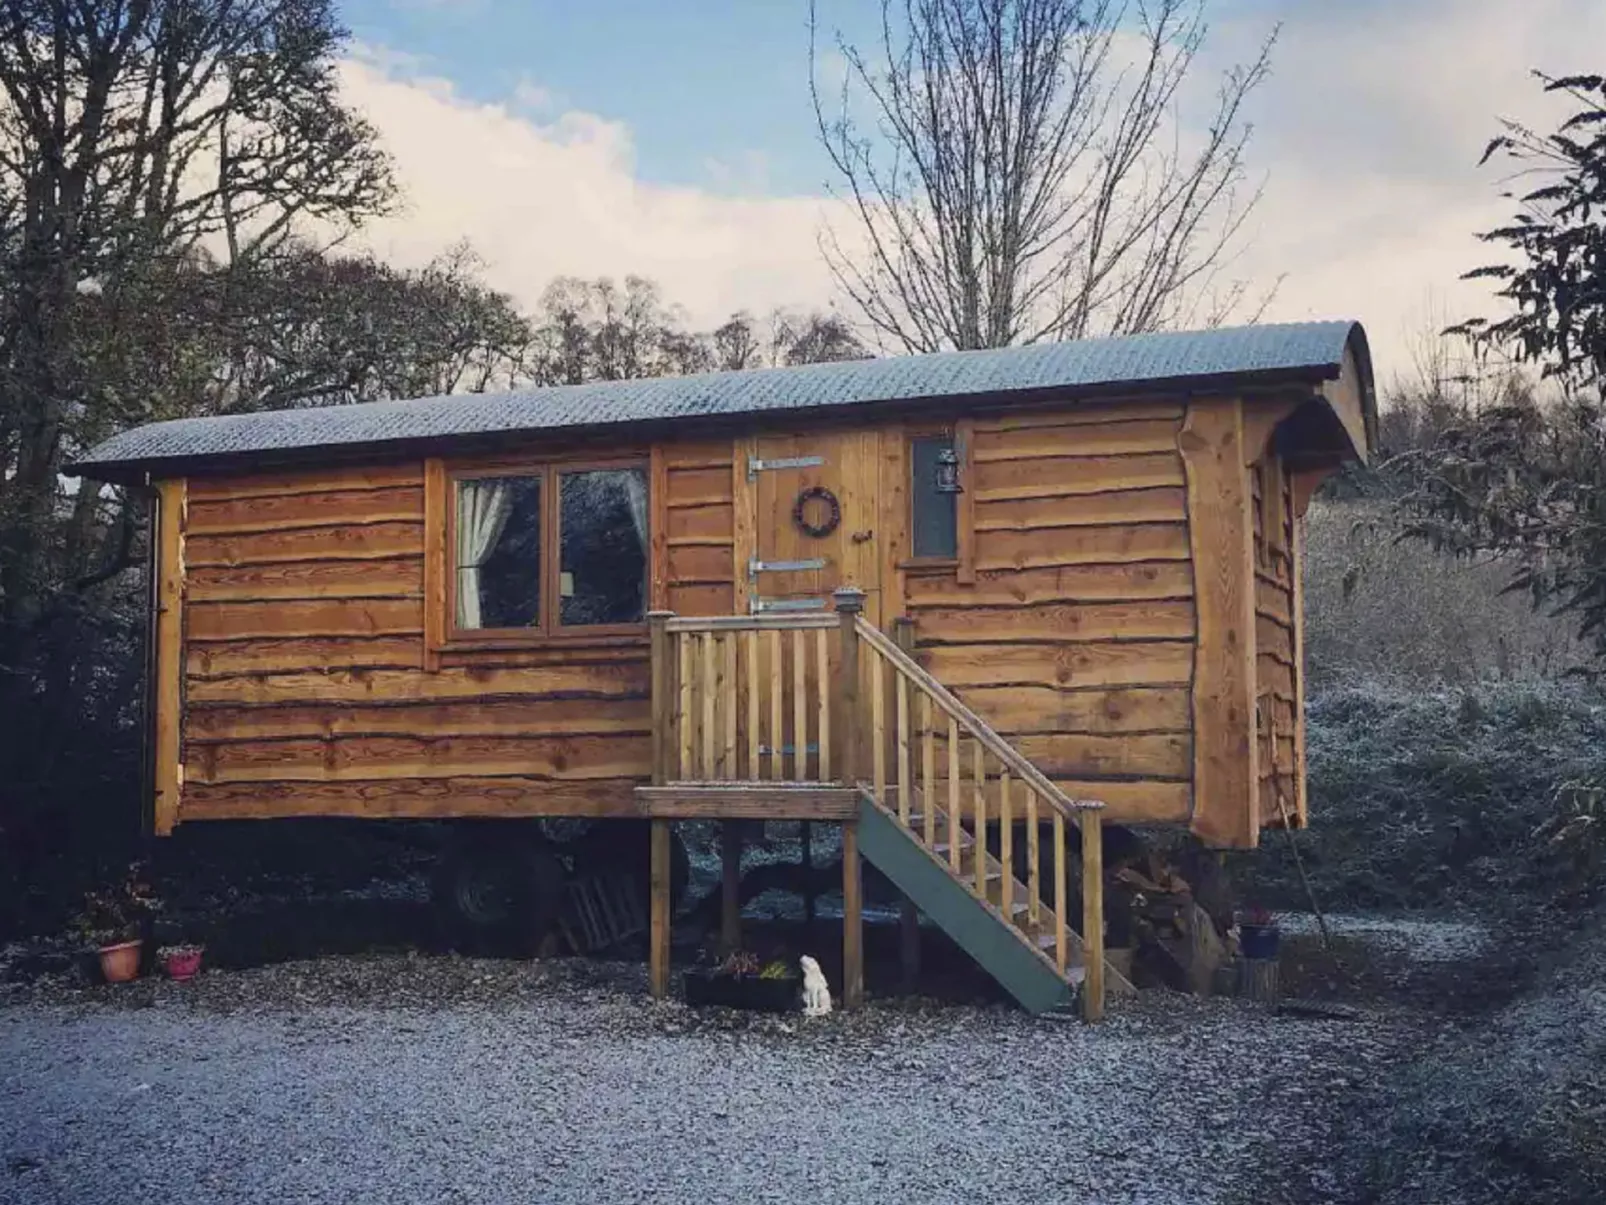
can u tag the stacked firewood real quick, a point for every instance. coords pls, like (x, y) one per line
(1159, 914)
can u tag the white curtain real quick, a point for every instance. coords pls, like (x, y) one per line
(636, 495)
(482, 510)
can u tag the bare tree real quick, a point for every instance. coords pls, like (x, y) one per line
(1020, 179)
(135, 135)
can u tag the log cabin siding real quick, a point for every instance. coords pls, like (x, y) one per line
(1071, 625)
(1076, 638)
(305, 680)
(699, 518)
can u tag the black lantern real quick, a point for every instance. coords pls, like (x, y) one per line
(948, 472)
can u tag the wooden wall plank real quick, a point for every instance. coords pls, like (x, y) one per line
(373, 758)
(1168, 504)
(1071, 623)
(1082, 545)
(1097, 582)
(1141, 802)
(702, 600)
(397, 577)
(227, 658)
(1221, 527)
(436, 798)
(699, 486)
(452, 682)
(1137, 663)
(708, 524)
(1072, 476)
(701, 564)
(1020, 709)
(1080, 439)
(1272, 637)
(305, 481)
(169, 669)
(285, 512)
(378, 541)
(491, 717)
(1154, 757)
(1273, 600)
(306, 617)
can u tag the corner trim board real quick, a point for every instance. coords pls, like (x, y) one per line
(1221, 529)
(173, 509)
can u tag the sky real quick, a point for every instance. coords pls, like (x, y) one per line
(675, 139)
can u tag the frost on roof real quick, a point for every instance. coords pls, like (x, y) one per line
(1312, 347)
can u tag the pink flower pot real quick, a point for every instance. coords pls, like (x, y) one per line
(183, 966)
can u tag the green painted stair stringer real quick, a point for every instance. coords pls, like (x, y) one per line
(976, 927)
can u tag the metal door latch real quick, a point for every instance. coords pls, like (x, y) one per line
(755, 466)
(756, 566)
(759, 606)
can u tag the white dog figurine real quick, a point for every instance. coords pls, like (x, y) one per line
(816, 992)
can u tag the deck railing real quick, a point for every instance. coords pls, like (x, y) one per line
(750, 698)
(951, 780)
(827, 699)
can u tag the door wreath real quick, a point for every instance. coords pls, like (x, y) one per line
(833, 515)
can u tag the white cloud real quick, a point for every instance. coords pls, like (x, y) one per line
(540, 199)
(1371, 128)
(1369, 131)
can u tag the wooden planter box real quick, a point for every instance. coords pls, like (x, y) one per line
(705, 988)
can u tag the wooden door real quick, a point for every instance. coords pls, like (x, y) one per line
(815, 523)
(787, 566)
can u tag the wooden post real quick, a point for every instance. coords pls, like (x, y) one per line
(852, 919)
(849, 604)
(1092, 916)
(903, 632)
(807, 836)
(665, 747)
(730, 861)
(658, 955)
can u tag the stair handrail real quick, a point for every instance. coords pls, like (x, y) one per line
(978, 729)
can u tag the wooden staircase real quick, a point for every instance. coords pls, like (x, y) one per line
(735, 705)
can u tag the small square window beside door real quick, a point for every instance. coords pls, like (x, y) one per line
(934, 518)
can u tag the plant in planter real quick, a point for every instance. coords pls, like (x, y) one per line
(740, 980)
(1257, 933)
(113, 921)
(181, 961)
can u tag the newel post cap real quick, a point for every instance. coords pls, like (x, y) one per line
(848, 598)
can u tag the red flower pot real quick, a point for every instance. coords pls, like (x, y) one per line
(182, 965)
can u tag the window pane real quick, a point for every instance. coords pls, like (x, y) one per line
(936, 530)
(498, 552)
(603, 524)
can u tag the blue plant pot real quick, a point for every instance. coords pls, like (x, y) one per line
(1258, 941)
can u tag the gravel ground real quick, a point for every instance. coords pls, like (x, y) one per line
(1419, 939)
(448, 1079)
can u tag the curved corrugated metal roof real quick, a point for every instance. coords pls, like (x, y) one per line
(1308, 350)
